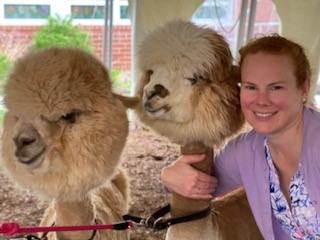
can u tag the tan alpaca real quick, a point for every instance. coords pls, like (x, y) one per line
(189, 94)
(63, 137)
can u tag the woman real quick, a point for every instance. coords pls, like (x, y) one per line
(278, 161)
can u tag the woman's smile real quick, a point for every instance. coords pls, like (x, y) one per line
(264, 115)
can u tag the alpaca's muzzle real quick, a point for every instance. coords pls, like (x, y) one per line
(29, 145)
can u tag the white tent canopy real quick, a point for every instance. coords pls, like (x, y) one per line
(300, 21)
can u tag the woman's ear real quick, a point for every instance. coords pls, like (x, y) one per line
(305, 92)
(306, 88)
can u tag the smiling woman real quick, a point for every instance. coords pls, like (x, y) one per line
(270, 100)
(278, 160)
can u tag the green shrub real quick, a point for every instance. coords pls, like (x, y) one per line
(5, 67)
(121, 84)
(61, 32)
(2, 113)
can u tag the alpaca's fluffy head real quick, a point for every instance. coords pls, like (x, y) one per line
(64, 130)
(188, 90)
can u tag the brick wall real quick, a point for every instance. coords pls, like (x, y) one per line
(14, 40)
(121, 44)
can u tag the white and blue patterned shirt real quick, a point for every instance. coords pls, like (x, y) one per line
(301, 221)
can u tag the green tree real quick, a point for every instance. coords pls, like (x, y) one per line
(61, 32)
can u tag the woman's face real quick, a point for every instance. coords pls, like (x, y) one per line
(270, 99)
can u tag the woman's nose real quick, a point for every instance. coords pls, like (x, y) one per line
(263, 98)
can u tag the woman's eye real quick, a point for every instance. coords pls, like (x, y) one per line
(276, 87)
(249, 87)
(70, 117)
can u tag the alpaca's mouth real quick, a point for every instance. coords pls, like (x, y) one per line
(153, 110)
(31, 159)
(156, 111)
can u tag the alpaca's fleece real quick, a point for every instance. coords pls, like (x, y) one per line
(187, 85)
(64, 130)
(189, 93)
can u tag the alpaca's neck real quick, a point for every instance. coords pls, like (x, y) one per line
(181, 205)
(74, 214)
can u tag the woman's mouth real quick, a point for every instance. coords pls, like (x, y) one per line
(263, 115)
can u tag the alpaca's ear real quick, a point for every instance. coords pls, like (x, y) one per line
(146, 76)
(236, 75)
(144, 80)
(128, 102)
(221, 64)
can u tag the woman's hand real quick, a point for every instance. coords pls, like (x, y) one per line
(182, 178)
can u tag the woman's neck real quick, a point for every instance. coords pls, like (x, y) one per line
(288, 142)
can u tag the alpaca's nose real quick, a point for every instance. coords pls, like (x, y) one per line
(150, 94)
(29, 145)
(158, 90)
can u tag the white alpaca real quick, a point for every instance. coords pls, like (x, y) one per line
(189, 94)
(63, 137)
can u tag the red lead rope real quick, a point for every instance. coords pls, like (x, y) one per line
(12, 228)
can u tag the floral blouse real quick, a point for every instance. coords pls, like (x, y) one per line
(302, 220)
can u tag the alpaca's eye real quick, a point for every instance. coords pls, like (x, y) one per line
(195, 78)
(192, 80)
(70, 117)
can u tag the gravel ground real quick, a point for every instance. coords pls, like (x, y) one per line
(144, 157)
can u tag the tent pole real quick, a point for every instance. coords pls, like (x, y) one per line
(105, 32)
(252, 15)
(108, 34)
(242, 24)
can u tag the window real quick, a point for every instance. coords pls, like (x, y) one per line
(212, 11)
(24, 11)
(124, 11)
(87, 12)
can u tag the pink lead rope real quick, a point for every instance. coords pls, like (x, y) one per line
(12, 228)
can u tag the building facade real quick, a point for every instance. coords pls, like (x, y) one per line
(19, 19)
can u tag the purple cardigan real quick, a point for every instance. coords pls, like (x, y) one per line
(242, 162)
